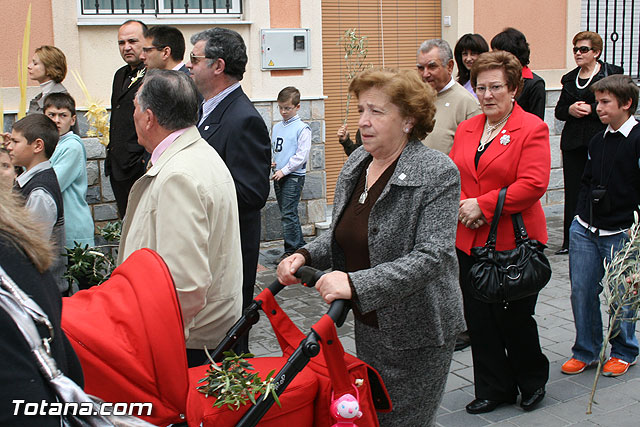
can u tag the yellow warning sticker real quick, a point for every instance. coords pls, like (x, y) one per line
(271, 64)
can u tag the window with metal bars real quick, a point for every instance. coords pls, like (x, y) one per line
(160, 7)
(617, 23)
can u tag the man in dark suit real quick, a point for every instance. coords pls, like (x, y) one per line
(231, 124)
(164, 49)
(125, 158)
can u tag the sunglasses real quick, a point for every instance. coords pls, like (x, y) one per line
(195, 58)
(582, 49)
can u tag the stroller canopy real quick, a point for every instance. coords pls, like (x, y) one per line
(129, 338)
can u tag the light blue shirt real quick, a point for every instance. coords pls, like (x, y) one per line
(69, 161)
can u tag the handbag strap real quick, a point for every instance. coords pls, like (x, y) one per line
(519, 230)
(21, 308)
(493, 232)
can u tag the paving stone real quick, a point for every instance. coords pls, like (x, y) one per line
(538, 418)
(620, 418)
(456, 366)
(456, 399)
(586, 379)
(502, 413)
(455, 382)
(564, 390)
(574, 411)
(461, 418)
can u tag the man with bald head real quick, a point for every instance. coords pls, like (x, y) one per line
(454, 103)
(125, 161)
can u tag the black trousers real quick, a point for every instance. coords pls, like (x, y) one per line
(121, 191)
(573, 163)
(505, 347)
(250, 242)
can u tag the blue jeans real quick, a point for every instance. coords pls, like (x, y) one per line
(586, 254)
(288, 191)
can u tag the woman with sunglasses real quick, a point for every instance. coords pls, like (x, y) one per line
(577, 107)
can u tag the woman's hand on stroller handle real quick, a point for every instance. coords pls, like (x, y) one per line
(288, 267)
(333, 286)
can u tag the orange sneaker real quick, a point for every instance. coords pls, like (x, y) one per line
(616, 367)
(573, 366)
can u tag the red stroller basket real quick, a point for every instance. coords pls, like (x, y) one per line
(129, 338)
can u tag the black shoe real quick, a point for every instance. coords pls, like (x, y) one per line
(462, 341)
(562, 251)
(482, 406)
(529, 403)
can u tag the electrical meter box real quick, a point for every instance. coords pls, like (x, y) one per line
(285, 49)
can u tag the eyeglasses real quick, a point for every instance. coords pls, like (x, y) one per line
(582, 49)
(480, 90)
(285, 109)
(195, 58)
(149, 49)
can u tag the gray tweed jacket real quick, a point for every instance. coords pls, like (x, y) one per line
(413, 280)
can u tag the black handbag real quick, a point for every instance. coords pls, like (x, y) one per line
(503, 276)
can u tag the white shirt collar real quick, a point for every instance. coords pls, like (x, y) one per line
(177, 67)
(625, 129)
(26, 176)
(448, 85)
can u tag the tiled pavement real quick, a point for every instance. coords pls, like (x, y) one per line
(618, 399)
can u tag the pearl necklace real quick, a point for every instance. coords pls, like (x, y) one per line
(365, 193)
(595, 70)
(491, 129)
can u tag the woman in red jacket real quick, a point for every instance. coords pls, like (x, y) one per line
(504, 146)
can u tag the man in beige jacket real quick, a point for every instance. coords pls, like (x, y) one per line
(454, 103)
(185, 208)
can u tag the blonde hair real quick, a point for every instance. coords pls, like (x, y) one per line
(17, 226)
(406, 90)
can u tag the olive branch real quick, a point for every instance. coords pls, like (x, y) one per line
(620, 288)
(233, 385)
(355, 53)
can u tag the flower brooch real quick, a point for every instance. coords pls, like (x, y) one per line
(505, 138)
(138, 76)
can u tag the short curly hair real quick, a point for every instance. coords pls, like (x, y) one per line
(499, 60)
(225, 44)
(593, 38)
(406, 90)
(54, 61)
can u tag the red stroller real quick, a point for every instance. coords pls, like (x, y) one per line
(129, 338)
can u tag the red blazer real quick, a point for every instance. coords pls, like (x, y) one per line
(520, 158)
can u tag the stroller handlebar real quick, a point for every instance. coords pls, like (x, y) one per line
(309, 276)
